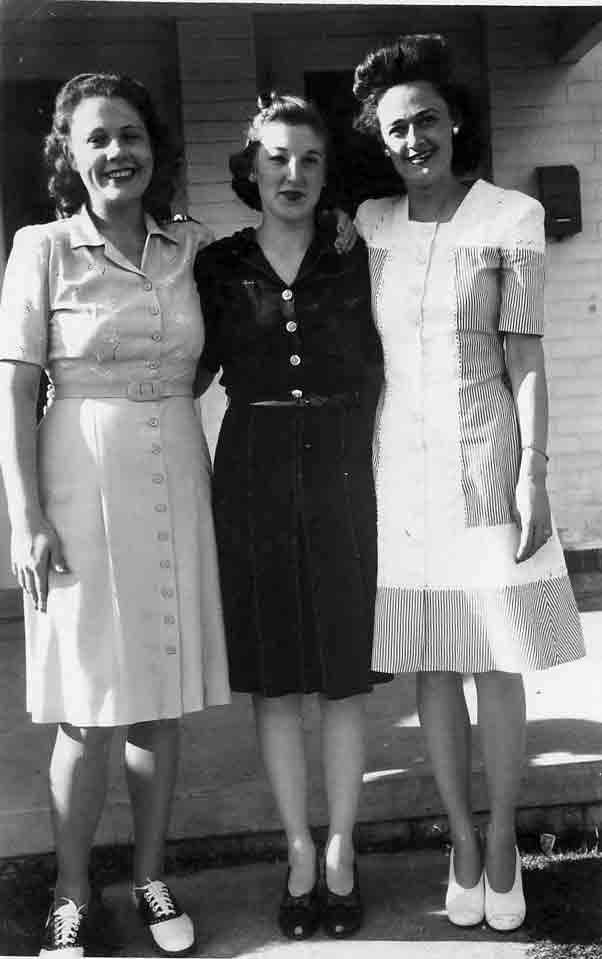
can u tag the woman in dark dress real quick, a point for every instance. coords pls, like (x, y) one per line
(289, 323)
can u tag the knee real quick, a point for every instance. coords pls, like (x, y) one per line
(146, 735)
(283, 706)
(437, 680)
(496, 682)
(89, 737)
(350, 706)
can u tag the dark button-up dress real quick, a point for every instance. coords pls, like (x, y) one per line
(293, 488)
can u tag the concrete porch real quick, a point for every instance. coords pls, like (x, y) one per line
(223, 800)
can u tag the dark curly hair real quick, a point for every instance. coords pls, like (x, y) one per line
(65, 185)
(416, 58)
(277, 108)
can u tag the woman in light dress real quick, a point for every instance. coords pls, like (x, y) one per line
(109, 501)
(471, 575)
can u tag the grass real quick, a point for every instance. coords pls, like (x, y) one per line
(564, 896)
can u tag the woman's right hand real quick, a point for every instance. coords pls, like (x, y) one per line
(36, 548)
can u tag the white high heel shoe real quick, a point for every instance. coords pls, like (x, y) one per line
(506, 911)
(465, 907)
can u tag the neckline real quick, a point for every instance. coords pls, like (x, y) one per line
(254, 253)
(438, 223)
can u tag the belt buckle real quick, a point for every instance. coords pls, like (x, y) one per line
(144, 391)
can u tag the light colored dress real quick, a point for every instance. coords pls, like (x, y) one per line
(447, 446)
(134, 631)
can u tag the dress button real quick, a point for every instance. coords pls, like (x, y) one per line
(162, 536)
(307, 446)
(153, 421)
(169, 620)
(155, 309)
(287, 295)
(295, 360)
(156, 337)
(156, 448)
(297, 394)
(148, 285)
(165, 564)
(171, 650)
(291, 326)
(166, 593)
(158, 478)
(153, 364)
(161, 508)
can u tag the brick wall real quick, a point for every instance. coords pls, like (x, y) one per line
(546, 113)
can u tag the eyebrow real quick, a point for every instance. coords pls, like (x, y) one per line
(124, 126)
(414, 116)
(313, 151)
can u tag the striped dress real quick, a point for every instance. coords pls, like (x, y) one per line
(447, 446)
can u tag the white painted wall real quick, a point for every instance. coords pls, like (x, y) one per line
(217, 70)
(544, 113)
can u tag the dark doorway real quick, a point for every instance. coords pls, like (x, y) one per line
(27, 109)
(364, 170)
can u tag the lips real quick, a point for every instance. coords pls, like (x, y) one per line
(417, 159)
(292, 195)
(123, 173)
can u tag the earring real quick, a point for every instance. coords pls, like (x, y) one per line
(387, 152)
(455, 129)
(252, 177)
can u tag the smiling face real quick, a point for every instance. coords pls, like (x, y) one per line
(111, 151)
(416, 128)
(290, 171)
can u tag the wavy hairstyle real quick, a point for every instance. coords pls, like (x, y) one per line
(65, 185)
(277, 108)
(419, 58)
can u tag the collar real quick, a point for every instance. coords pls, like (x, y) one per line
(246, 245)
(84, 232)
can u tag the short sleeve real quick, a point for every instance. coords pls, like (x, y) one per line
(24, 307)
(522, 271)
(204, 236)
(364, 219)
(204, 274)
(371, 344)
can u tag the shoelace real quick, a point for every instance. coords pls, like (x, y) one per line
(65, 921)
(158, 897)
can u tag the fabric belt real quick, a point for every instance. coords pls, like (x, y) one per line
(298, 398)
(138, 391)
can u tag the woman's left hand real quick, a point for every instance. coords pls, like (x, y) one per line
(532, 514)
(346, 232)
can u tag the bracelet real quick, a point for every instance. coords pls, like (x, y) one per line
(536, 450)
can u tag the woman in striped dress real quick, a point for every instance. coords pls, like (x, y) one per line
(471, 575)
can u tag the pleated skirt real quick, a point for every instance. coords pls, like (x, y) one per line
(295, 517)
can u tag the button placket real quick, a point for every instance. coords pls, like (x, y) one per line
(163, 536)
(291, 326)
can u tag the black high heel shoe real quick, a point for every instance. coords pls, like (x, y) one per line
(299, 916)
(342, 916)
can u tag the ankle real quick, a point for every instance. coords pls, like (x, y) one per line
(501, 835)
(339, 851)
(78, 892)
(301, 850)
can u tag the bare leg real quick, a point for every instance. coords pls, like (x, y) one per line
(446, 725)
(151, 762)
(78, 786)
(502, 725)
(343, 759)
(281, 743)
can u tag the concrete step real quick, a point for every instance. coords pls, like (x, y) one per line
(222, 793)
